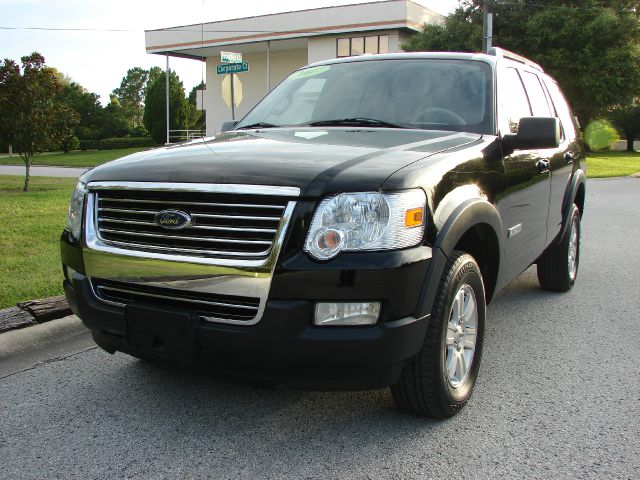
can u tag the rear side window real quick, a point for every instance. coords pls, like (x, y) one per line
(538, 99)
(563, 109)
(514, 103)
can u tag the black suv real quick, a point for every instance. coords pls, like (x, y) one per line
(346, 234)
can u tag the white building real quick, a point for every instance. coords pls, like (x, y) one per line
(275, 45)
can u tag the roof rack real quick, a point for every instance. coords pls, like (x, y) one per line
(502, 53)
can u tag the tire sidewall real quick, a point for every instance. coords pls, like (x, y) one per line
(468, 272)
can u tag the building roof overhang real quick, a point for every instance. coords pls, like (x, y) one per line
(199, 40)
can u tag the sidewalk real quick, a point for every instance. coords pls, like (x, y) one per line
(37, 171)
(23, 349)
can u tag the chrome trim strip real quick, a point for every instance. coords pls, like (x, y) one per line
(166, 297)
(184, 237)
(147, 246)
(198, 187)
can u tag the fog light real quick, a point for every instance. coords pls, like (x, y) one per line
(347, 313)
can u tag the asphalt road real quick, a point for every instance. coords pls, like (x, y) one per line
(558, 397)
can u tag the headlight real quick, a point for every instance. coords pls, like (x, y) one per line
(74, 218)
(366, 221)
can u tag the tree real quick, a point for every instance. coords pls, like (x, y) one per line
(88, 107)
(627, 119)
(114, 120)
(32, 116)
(154, 107)
(591, 47)
(196, 118)
(130, 93)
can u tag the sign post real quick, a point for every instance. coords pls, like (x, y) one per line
(231, 64)
(233, 100)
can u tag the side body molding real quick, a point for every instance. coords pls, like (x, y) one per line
(470, 213)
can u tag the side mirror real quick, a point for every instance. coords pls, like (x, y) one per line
(229, 125)
(535, 133)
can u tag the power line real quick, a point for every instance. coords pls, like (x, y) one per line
(168, 30)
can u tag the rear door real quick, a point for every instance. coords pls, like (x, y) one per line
(525, 206)
(563, 163)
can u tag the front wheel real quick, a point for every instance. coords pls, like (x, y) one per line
(439, 380)
(558, 266)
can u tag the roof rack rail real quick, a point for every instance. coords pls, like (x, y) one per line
(502, 53)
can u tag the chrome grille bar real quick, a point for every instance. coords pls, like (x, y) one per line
(182, 237)
(202, 204)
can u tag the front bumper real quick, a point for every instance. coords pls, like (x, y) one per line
(285, 345)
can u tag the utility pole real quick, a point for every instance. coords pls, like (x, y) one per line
(166, 93)
(487, 26)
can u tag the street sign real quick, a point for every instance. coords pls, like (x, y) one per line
(237, 90)
(225, 68)
(230, 57)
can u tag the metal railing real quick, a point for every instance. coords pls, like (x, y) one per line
(185, 135)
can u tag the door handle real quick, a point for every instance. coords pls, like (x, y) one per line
(569, 157)
(543, 165)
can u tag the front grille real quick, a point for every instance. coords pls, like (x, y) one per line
(223, 224)
(210, 306)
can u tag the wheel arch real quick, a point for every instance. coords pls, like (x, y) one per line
(473, 227)
(575, 195)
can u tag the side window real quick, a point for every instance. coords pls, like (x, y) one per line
(514, 103)
(564, 112)
(538, 99)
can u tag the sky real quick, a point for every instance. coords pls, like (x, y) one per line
(98, 60)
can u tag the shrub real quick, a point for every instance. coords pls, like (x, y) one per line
(88, 144)
(126, 142)
(74, 144)
(139, 131)
(600, 135)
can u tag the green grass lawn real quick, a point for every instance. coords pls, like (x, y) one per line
(31, 224)
(74, 159)
(612, 164)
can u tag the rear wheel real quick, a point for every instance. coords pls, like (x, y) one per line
(439, 380)
(558, 266)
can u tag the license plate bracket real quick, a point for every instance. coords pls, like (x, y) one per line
(159, 331)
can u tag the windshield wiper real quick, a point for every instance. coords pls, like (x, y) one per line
(258, 125)
(355, 121)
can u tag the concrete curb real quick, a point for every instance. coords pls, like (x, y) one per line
(33, 312)
(27, 347)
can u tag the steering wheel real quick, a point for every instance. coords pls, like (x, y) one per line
(438, 115)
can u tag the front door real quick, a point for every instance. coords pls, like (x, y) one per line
(525, 207)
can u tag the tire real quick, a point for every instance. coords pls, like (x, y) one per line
(558, 266)
(426, 386)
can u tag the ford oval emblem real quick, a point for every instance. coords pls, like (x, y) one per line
(173, 219)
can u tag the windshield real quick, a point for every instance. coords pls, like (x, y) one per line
(417, 93)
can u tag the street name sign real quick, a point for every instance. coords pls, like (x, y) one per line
(230, 57)
(225, 68)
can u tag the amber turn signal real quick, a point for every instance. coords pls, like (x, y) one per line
(413, 217)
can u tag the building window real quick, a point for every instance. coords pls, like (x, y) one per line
(346, 47)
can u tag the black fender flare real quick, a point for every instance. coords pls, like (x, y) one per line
(578, 179)
(471, 212)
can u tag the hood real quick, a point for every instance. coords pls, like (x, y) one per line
(317, 161)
